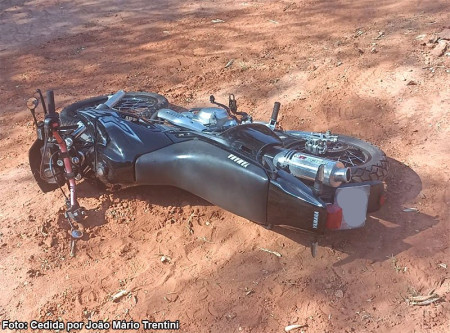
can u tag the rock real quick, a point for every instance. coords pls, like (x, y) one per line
(433, 39)
(33, 273)
(380, 34)
(165, 259)
(411, 83)
(50, 241)
(339, 293)
(229, 63)
(125, 249)
(440, 48)
(444, 34)
(421, 37)
(312, 67)
(231, 315)
(292, 327)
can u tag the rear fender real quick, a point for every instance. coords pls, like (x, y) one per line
(292, 203)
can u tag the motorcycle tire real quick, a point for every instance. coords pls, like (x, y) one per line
(376, 165)
(366, 162)
(143, 104)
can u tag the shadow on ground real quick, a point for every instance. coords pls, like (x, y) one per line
(385, 232)
(382, 237)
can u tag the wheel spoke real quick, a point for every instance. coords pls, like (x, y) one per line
(362, 161)
(349, 158)
(136, 105)
(347, 154)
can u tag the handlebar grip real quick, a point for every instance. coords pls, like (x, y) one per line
(276, 109)
(51, 102)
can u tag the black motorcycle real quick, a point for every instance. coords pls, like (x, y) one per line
(310, 181)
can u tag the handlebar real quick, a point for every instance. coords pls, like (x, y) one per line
(51, 103)
(273, 118)
(276, 109)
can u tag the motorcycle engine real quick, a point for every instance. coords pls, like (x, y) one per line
(213, 118)
(199, 119)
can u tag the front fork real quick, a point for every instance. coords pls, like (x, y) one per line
(74, 213)
(47, 130)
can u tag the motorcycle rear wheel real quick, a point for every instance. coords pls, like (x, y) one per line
(367, 162)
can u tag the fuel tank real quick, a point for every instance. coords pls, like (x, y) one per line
(120, 142)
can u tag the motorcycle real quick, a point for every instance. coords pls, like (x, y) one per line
(308, 181)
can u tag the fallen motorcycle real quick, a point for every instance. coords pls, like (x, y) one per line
(310, 181)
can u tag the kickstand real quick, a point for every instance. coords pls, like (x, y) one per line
(314, 244)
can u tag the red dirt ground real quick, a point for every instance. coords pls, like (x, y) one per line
(364, 68)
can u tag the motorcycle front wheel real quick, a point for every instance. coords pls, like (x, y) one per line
(142, 104)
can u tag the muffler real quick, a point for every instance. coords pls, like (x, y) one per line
(306, 166)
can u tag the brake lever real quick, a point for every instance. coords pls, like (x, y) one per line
(212, 99)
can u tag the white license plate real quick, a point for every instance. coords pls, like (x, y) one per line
(353, 200)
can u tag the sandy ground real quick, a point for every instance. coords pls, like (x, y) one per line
(371, 69)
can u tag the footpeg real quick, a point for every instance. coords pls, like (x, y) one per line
(76, 235)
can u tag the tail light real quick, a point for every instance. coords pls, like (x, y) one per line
(334, 217)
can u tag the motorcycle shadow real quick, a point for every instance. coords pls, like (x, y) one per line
(126, 199)
(385, 231)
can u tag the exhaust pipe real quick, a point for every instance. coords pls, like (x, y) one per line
(306, 166)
